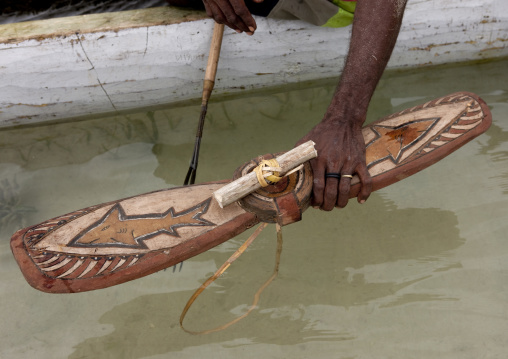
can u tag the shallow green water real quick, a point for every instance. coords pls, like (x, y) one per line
(419, 271)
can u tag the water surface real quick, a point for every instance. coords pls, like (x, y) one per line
(418, 271)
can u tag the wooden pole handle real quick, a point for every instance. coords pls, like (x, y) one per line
(213, 61)
(249, 183)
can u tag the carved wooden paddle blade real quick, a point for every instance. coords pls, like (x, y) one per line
(409, 141)
(115, 242)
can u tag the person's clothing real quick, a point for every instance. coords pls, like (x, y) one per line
(328, 13)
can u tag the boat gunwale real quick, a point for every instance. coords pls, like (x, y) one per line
(39, 30)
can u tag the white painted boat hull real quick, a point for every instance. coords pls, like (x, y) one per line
(75, 72)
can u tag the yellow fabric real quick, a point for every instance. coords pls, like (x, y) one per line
(344, 16)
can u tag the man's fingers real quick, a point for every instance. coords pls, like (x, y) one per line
(208, 10)
(243, 18)
(341, 150)
(344, 187)
(366, 181)
(213, 11)
(318, 186)
(332, 189)
(330, 199)
(232, 13)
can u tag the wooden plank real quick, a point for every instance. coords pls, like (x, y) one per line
(104, 22)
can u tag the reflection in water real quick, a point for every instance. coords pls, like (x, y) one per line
(12, 212)
(332, 271)
(496, 147)
(412, 298)
(76, 142)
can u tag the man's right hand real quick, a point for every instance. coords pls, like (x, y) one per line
(233, 13)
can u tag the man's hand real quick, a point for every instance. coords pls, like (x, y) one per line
(341, 150)
(338, 137)
(233, 13)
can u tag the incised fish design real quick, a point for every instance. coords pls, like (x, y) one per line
(118, 229)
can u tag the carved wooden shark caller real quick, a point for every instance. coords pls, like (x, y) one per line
(115, 242)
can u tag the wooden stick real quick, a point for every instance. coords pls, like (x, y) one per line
(213, 61)
(249, 183)
(208, 84)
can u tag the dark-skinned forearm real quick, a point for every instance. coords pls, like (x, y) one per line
(375, 30)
